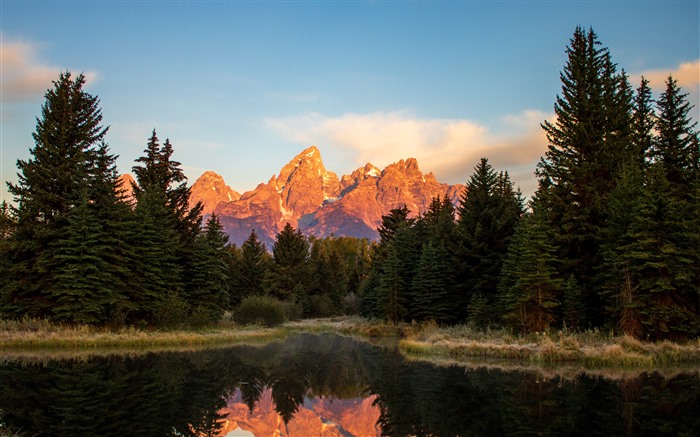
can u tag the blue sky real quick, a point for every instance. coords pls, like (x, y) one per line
(241, 87)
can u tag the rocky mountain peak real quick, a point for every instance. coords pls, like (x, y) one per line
(210, 189)
(315, 201)
(126, 183)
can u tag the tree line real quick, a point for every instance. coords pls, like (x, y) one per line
(609, 240)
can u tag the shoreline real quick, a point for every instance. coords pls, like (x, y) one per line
(425, 341)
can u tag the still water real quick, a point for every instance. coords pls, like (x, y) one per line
(328, 385)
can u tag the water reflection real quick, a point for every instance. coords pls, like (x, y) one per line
(329, 385)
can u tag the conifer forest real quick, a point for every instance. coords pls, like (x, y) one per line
(609, 240)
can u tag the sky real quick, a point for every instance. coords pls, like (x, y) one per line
(241, 87)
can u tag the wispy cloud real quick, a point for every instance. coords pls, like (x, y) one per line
(687, 74)
(26, 77)
(448, 147)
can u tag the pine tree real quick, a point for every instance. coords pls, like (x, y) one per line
(676, 139)
(167, 226)
(49, 186)
(82, 288)
(431, 287)
(209, 285)
(392, 288)
(371, 296)
(289, 275)
(643, 123)
(588, 144)
(660, 269)
(676, 147)
(250, 269)
(530, 289)
(157, 265)
(488, 212)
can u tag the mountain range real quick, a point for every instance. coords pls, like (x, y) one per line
(316, 201)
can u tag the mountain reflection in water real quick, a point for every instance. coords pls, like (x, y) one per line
(329, 385)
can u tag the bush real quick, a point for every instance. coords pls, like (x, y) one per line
(171, 312)
(261, 310)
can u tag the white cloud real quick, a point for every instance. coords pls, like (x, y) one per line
(687, 74)
(25, 77)
(450, 148)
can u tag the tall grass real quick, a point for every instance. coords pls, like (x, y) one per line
(590, 348)
(39, 333)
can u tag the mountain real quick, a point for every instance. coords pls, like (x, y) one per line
(210, 189)
(315, 201)
(126, 182)
(316, 416)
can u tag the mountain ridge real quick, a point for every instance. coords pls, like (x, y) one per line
(317, 202)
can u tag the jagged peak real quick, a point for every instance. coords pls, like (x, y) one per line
(210, 175)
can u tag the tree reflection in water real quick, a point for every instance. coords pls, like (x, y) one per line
(375, 390)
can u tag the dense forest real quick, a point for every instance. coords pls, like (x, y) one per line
(610, 239)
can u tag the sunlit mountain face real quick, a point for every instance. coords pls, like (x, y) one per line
(317, 416)
(317, 202)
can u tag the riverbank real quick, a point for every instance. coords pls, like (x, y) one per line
(590, 349)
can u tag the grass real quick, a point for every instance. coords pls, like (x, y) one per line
(41, 334)
(590, 349)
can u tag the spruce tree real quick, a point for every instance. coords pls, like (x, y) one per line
(676, 139)
(530, 289)
(371, 295)
(588, 143)
(209, 285)
(289, 274)
(660, 268)
(488, 212)
(676, 147)
(82, 289)
(431, 287)
(643, 122)
(250, 269)
(50, 185)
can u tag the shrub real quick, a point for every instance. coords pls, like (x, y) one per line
(261, 310)
(171, 312)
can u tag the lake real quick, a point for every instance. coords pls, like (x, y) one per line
(329, 385)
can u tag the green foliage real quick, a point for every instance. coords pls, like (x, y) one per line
(431, 288)
(480, 311)
(171, 312)
(588, 143)
(289, 274)
(488, 213)
(208, 284)
(249, 269)
(260, 310)
(530, 289)
(50, 184)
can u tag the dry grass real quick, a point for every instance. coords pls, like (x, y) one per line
(591, 349)
(32, 333)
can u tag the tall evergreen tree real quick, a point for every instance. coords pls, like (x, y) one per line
(588, 143)
(49, 186)
(530, 289)
(676, 139)
(676, 147)
(488, 212)
(371, 295)
(163, 208)
(250, 269)
(289, 275)
(431, 288)
(660, 270)
(643, 119)
(209, 292)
